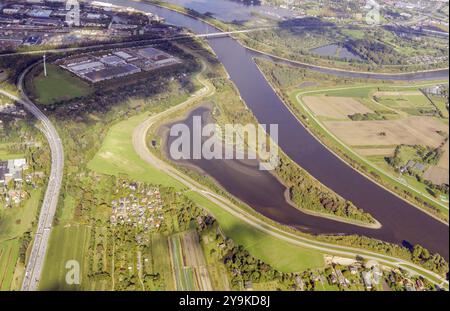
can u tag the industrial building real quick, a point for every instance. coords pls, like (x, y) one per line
(118, 63)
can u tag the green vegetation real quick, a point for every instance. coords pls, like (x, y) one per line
(58, 86)
(20, 201)
(367, 116)
(119, 256)
(117, 155)
(416, 153)
(66, 243)
(259, 244)
(183, 275)
(9, 253)
(419, 255)
(93, 161)
(387, 49)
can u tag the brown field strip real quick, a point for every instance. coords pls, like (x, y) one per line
(193, 257)
(438, 174)
(443, 161)
(5, 270)
(334, 107)
(393, 93)
(375, 151)
(409, 131)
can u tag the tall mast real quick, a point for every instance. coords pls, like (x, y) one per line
(45, 67)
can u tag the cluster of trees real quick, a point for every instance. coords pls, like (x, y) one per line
(374, 51)
(417, 254)
(370, 116)
(244, 267)
(422, 154)
(305, 192)
(434, 262)
(24, 242)
(396, 281)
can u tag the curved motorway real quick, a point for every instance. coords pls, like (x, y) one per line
(37, 256)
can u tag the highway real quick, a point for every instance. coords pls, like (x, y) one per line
(109, 45)
(37, 257)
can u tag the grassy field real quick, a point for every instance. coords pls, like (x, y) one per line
(9, 253)
(58, 85)
(362, 92)
(161, 260)
(6, 155)
(16, 221)
(66, 243)
(184, 276)
(68, 210)
(117, 156)
(440, 104)
(216, 268)
(260, 244)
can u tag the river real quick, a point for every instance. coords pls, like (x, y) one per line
(400, 220)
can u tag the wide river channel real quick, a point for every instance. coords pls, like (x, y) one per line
(401, 222)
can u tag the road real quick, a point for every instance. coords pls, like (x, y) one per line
(109, 45)
(36, 260)
(140, 146)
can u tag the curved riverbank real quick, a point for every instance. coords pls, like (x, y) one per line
(432, 74)
(264, 191)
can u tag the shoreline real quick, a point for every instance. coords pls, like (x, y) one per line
(161, 128)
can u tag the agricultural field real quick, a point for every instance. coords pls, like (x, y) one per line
(159, 255)
(6, 155)
(66, 243)
(409, 131)
(335, 107)
(188, 262)
(9, 254)
(59, 85)
(410, 102)
(374, 121)
(400, 114)
(438, 174)
(441, 104)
